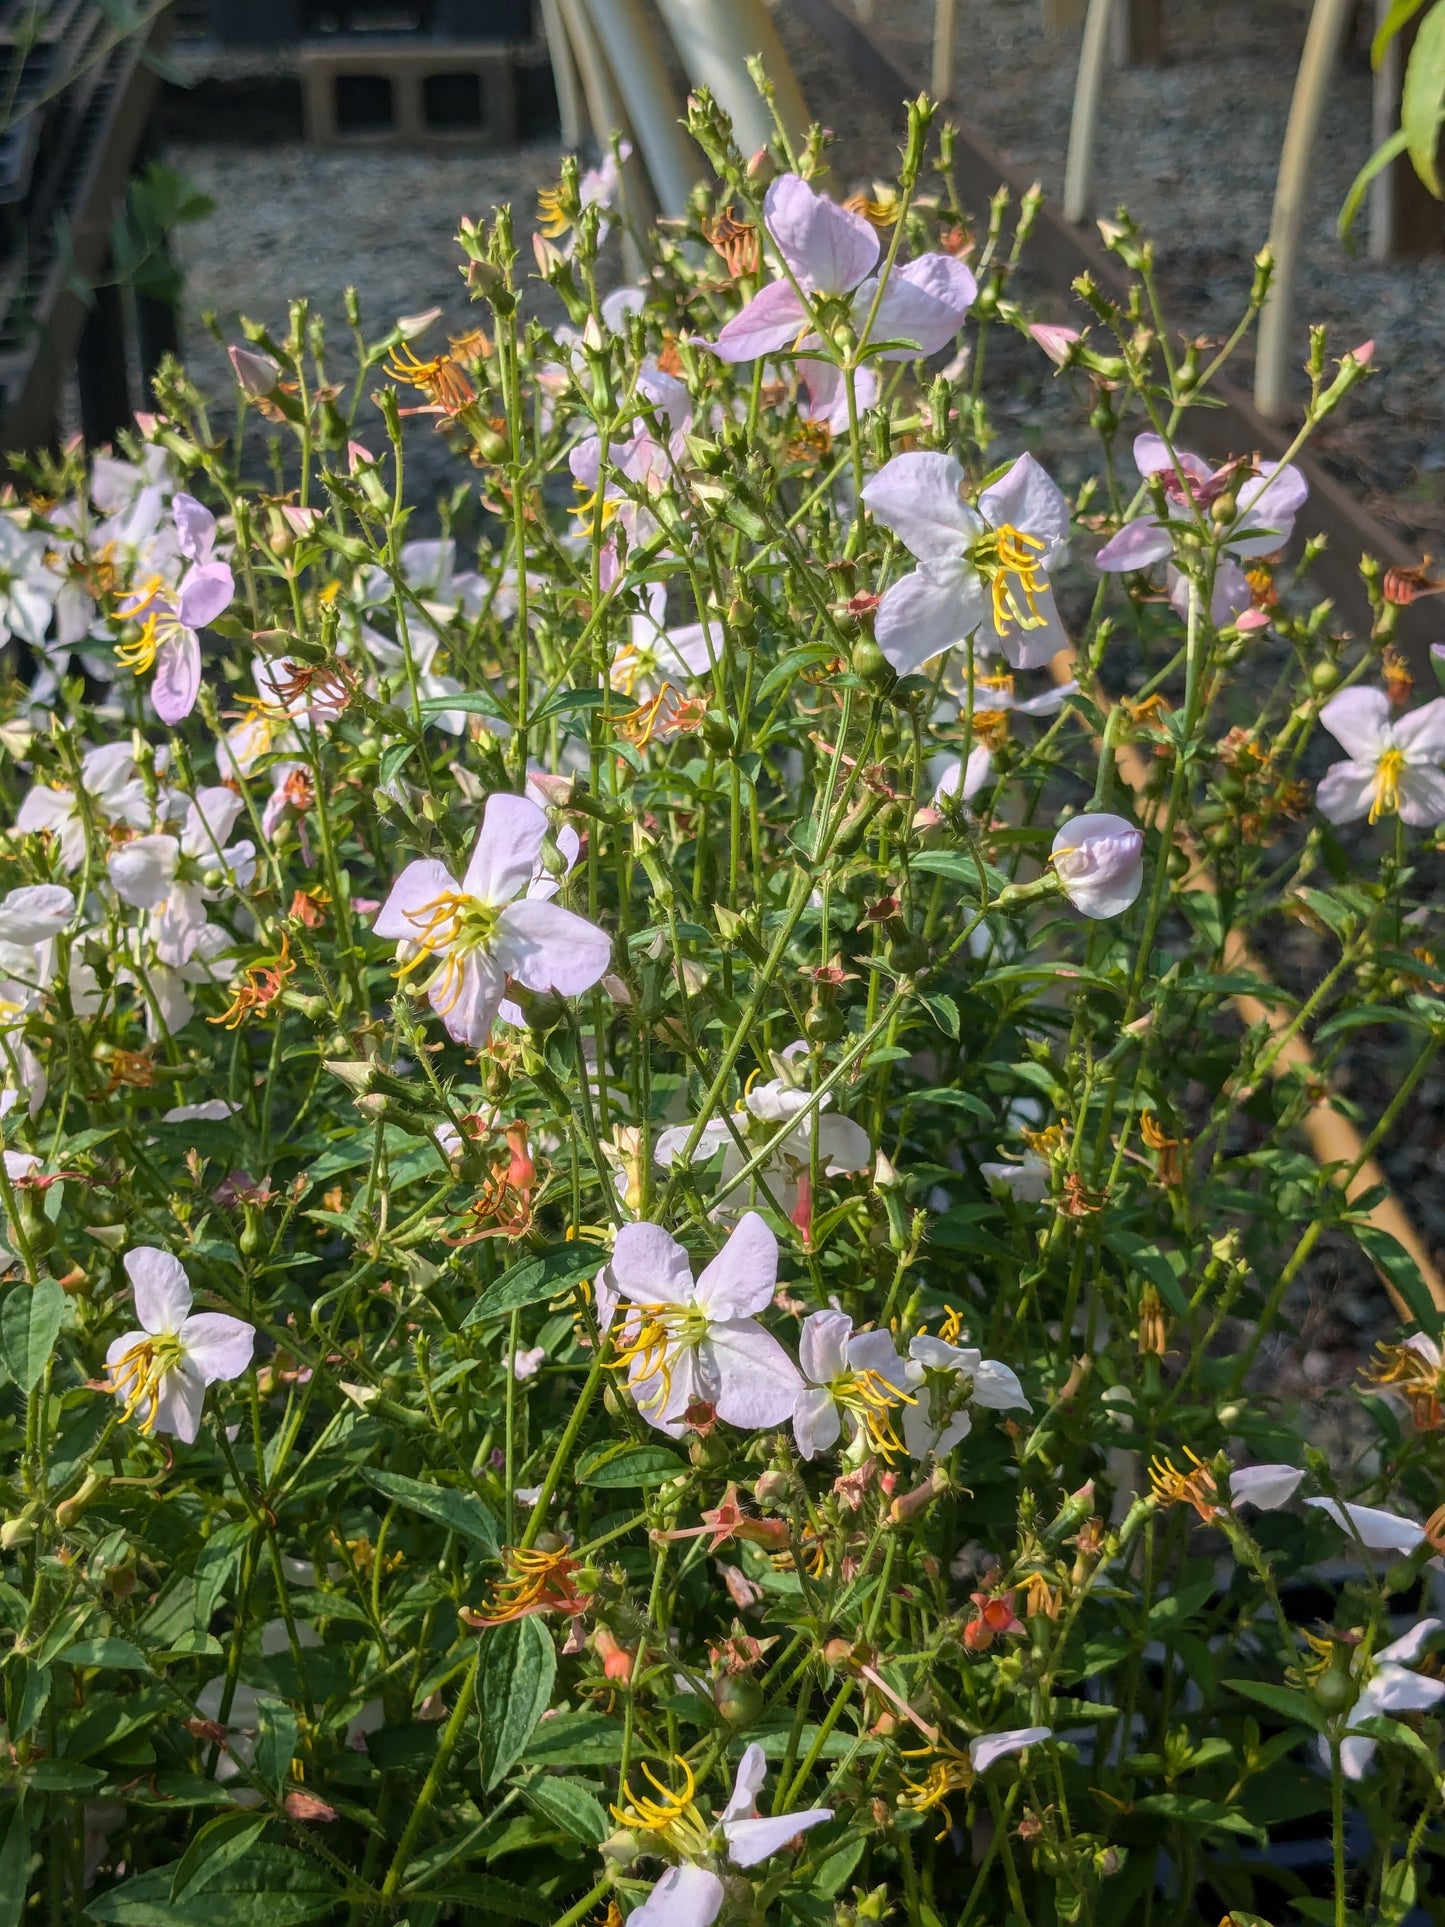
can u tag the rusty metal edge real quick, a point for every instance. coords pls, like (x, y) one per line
(1063, 252)
(29, 419)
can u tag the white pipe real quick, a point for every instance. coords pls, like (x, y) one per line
(715, 39)
(564, 76)
(1088, 88)
(1322, 42)
(605, 111)
(629, 41)
(945, 20)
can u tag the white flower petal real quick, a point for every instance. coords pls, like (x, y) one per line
(1378, 1531)
(508, 845)
(757, 1382)
(920, 497)
(162, 1289)
(649, 1267)
(548, 948)
(1265, 1486)
(218, 1346)
(740, 1280)
(750, 1841)
(35, 912)
(989, 1747)
(685, 1896)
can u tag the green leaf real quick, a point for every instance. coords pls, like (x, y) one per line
(221, 1842)
(955, 865)
(1401, 13)
(1139, 1255)
(14, 1866)
(953, 1101)
(1396, 1733)
(1398, 1268)
(575, 1739)
(620, 1462)
(64, 1776)
(943, 1010)
(1422, 98)
(568, 1805)
(393, 762)
(1190, 1811)
(570, 702)
(1388, 151)
(514, 1689)
(29, 1326)
(461, 1512)
(536, 1279)
(275, 1743)
(1290, 1705)
(118, 1654)
(470, 702)
(269, 1887)
(489, 1899)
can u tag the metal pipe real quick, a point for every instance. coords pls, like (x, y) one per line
(1328, 19)
(945, 21)
(714, 40)
(629, 41)
(1088, 89)
(608, 117)
(564, 76)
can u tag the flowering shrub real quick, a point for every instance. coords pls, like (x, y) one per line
(648, 1177)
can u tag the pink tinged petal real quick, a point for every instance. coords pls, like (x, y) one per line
(1421, 734)
(748, 1783)
(1424, 1345)
(508, 845)
(467, 1000)
(1027, 498)
(664, 1402)
(1378, 1531)
(996, 1387)
(144, 869)
(684, 1897)
(1138, 545)
(757, 1384)
(923, 304)
(875, 1352)
(1266, 1486)
(770, 324)
(548, 948)
(1359, 721)
(989, 1747)
(920, 497)
(1099, 859)
(1399, 1691)
(924, 614)
(1406, 1651)
(1421, 797)
(195, 524)
(823, 1345)
(816, 1424)
(218, 1346)
(118, 1347)
(180, 1397)
(1268, 503)
(650, 1267)
(178, 676)
(750, 1841)
(1152, 457)
(1346, 792)
(1032, 648)
(828, 395)
(604, 1298)
(179, 923)
(161, 1287)
(740, 1280)
(843, 1146)
(210, 820)
(1230, 600)
(418, 887)
(35, 912)
(204, 594)
(828, 248)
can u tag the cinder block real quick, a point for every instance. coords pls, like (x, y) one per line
(408, 93)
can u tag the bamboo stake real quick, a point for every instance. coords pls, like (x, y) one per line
(1328, 20)
(1333, 1139)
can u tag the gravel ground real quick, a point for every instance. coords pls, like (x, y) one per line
(1198, 137)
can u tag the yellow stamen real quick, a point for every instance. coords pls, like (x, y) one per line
(1008, 558)
(948, 1773)
(138, 1374)
(674, 1817)
(871, 1398)
(1388, 771)
(551, 220)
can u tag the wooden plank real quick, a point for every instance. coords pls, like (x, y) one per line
(1062, 252)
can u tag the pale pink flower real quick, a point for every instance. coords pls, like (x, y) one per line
(1391, 1687)
(171, 616)
(983, 572)
(687, 1339)
(1099, 859)
(945, 1380)
(988, 1747)
(1376, 1530)
(853, 1379)
(1268, 503)
(691, 1895)
(160, 1373)
(486, 929)
(172, 877)
(830, 251)
(1393, 762)
(1266, 1486)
